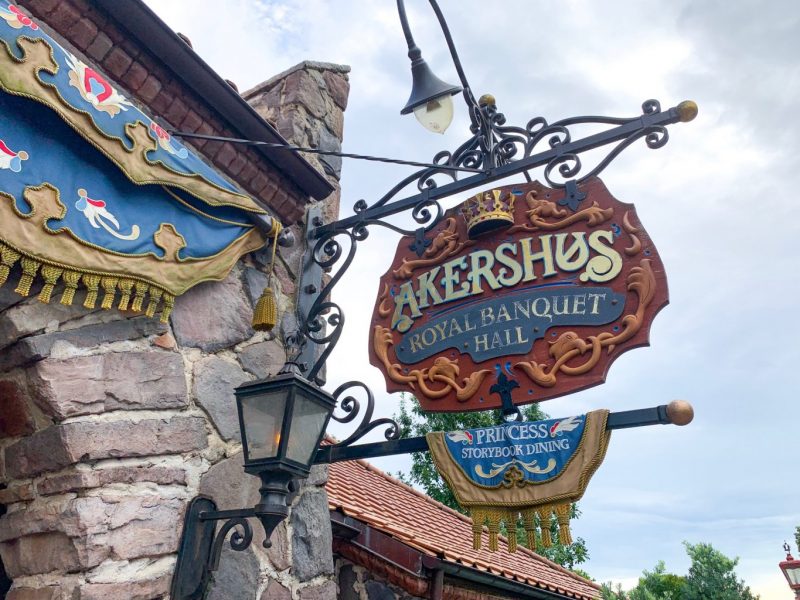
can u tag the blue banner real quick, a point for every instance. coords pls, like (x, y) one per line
(532, 451)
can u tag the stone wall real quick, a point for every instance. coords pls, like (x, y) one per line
(110, 422)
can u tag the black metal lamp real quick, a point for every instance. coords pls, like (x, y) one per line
(431, 98)
(282, 421)
(791, 570)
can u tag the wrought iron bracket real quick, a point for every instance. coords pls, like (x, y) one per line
(311, 274)
(201, 545)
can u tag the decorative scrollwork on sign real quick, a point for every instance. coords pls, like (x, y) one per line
(444, 372)
(539, 210)
(444, 245)
(569, 345)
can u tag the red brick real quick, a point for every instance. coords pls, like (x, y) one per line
(225, 155)
(192, 122)
(82, 33)
(278, 199)
(204, 129)
(247, 173)
(130, 47)
(100, 47)
(42, 7)
(161, 102)
(117, 62)
(63, 17)
(237, 164)
(176, 111)
(258, 183)
(135, 77)
(150, 89)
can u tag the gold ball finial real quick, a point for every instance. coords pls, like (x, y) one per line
(487, 100)
(680, 412)
(687, 110)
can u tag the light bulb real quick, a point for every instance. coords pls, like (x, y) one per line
(437, 114)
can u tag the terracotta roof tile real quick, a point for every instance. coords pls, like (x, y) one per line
(363, 491)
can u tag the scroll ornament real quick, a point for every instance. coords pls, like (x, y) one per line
(528, 472)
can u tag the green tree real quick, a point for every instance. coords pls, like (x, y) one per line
(658, 585)
(414, 422)
(712, 576)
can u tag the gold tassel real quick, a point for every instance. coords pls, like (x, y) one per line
(494, 517)
(545, 517)
(51, 275)
(155, 297)
(110, 289)
(29, 268)
(126, 287)
(511, 527)
(71, 280)
(562, 514)
(169, 304)
(265, 315)
(92, 283)
(478, 517)
(529, 519)
(138, 298)
(8, 258)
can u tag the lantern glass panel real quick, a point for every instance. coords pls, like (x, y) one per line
(263, 420)
(793, 574)
(307, 422)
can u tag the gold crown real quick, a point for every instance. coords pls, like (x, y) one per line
(488, 211)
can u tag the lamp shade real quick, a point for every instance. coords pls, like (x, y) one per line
(426, 87)
(282, 421)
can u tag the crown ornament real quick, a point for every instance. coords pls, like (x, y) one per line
(488, 211)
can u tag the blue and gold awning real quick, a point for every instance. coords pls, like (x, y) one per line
(94, 193)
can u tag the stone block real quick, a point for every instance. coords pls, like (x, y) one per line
(278, 553)
(347, 583)
(275, 591)
(128, 590)
(322, 591)
(338, 88)
(311, 536)
(35, 348)
(237, 575)
(31, 317)
(377, 590)
(302, 88)
(16, 418)
(330, 143)
(263, 359)
(16, 493)
(104, 382)
(59, 446)
(40, 553)
(82, 480)
(213, 315)
(51, 592)
(214, 382)
(229, 486)
(255, 281)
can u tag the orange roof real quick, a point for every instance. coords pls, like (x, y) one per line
(366, 493)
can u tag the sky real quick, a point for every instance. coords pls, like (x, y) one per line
(717, 201)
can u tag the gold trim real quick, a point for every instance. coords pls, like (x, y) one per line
(20, 77)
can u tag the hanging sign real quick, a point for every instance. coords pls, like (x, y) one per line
(533, 470)
(523, 292)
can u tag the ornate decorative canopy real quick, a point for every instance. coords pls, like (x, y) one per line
(94, 192)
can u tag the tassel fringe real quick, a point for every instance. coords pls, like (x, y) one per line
(534, 518)
(265, 314)
(51, 274)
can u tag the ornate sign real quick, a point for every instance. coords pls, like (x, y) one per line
(523, 292)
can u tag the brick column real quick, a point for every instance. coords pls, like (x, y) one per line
(110, 422)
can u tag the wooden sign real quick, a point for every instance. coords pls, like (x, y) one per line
(521, 289)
